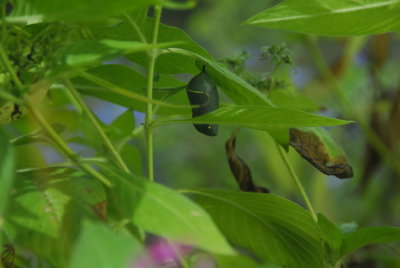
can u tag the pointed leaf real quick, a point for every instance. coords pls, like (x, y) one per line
(330, 232)
(274, 228)
(99, 247)
(164, 212)
(260, 117)
(6, 172)
(332, 17)
(369, 235)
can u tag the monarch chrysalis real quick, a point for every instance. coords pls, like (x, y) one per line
(202, 91)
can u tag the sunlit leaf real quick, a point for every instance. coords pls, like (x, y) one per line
(172, 216)
(92, 52)
(261, 117)
(98, 246)
(332, 17)
(73, 10)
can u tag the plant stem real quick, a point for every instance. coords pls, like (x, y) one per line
(297, 181)
(374, 140)
(96, 124)
(10, 69)
(63, 146)
(149, 106)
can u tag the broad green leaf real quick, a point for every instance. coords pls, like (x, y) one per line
(47, 208)
(93, 52)
(127, 78)
(164, 212)
(73, 10)
(274, 228)
(260, 117)
(330, 232)
(166, 63)
(369, 235)
(317, 147)
(285, 99)
(99, 247)
(6, 173)
(240, 261)
(332, 17)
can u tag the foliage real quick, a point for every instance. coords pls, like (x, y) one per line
(73, 192)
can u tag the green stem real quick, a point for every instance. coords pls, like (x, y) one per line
(63, 146)
(149, 90)
(10, 69)
(374, 140)
(297, 181)
(96, 124)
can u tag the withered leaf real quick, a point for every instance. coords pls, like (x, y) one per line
(240, 169)
(316, 146)
(7, 256)
(100, 209)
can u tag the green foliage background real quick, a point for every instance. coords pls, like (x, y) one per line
(55, 213)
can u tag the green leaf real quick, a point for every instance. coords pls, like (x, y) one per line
(127, 78)
(261, 117)
(274, 228)
(164, 212)
(94, 52)
(285, 99)
(133, 158)
(240, 261)
(47, 207)
(369, 235)
(166, 63)
(98, 246)
(6, 173)
(332, 17)
(330, 232)
(122, 126)
(74, 10)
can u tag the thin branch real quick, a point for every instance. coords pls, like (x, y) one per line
(96, 124)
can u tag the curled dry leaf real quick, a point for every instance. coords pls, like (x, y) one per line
(7, 256)
(240, 169)
(316, 146)
(100, 209)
